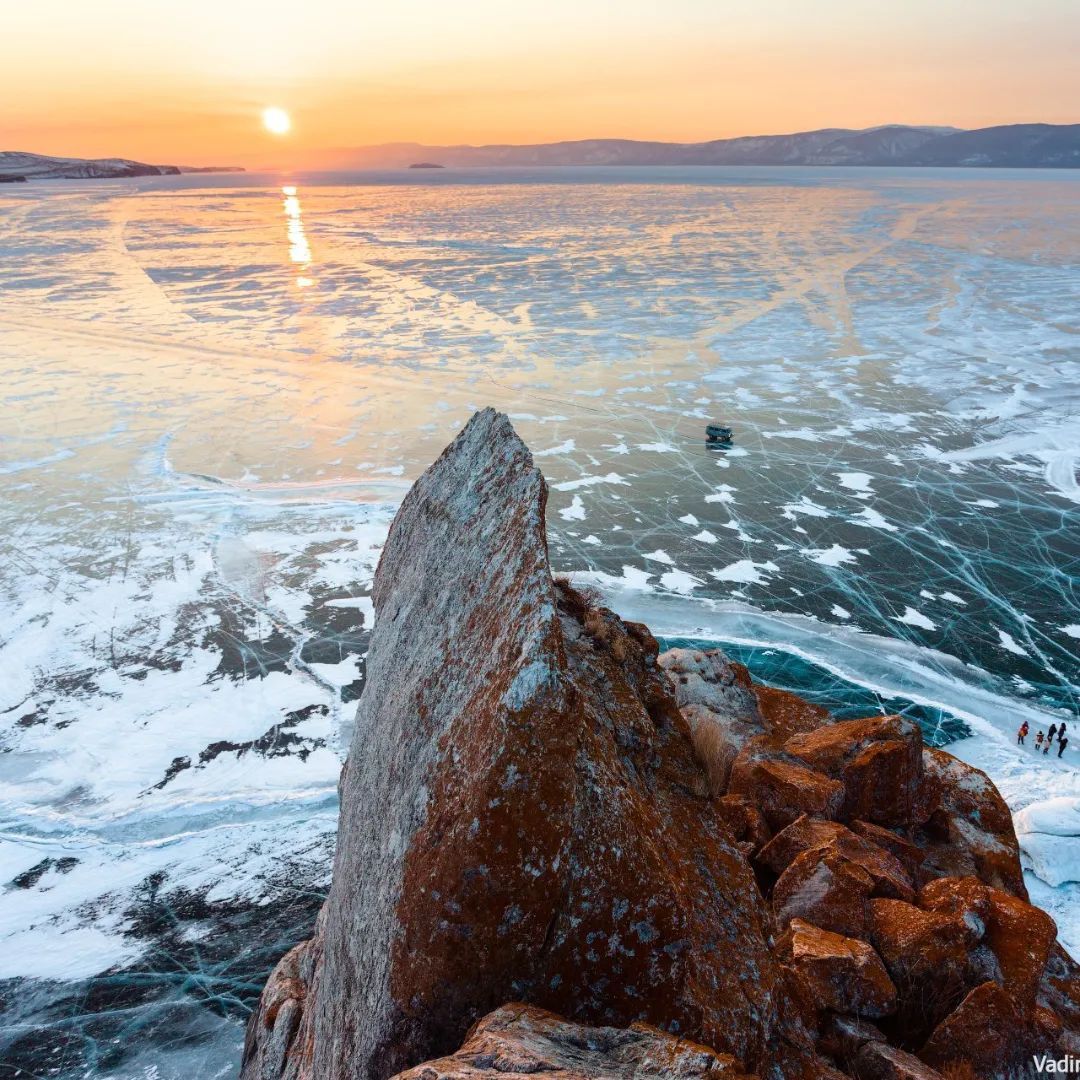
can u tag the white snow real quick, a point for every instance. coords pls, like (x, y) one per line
(575, 511)
(856, 481)
(745, 571)
(566, 447)
(722, 494)
(590, 481)
(1009, 643)
(660, 556)
(679, 581)
(914, 617)
(836, 555)
(807, 507)
(870, 517)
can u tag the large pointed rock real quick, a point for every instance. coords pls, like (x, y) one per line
(523, 816)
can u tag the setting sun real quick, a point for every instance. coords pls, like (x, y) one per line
(276, 121)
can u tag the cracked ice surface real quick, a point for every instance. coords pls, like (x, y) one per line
(216, 392)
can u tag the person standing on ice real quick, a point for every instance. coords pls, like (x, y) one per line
(1062, 743)
(1061, 732)
(1051, 733)
(1038, 742)
(1022, 733)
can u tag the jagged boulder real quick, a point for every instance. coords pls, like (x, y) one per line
(834, 972)
(523, 814)
(522, 1039)
(906, 851)
(880, 1061)
(822, 887)
(1021, 937)
(717, 701)
(866, 1054)
(530, 813)
(786, 714)
(971, 831)
(968, 898)
(271, 1038)
(986, 1032)
(708, 678)
(783, 788)
(1059, 993)
(745, 821)
(926, 955)
(805, 833)
(816, 834)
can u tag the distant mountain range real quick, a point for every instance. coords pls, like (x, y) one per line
(1018, 146)
(1014, 145)
(16, 164)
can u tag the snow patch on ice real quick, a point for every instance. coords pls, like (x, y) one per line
(590, 481)
(830, 556)
(745, 571)
(575, 511)
(914, 617)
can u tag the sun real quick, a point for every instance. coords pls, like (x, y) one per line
(276, 120)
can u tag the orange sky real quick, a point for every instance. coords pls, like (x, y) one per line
(183, 83)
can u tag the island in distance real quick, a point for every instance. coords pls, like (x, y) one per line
(16, 164)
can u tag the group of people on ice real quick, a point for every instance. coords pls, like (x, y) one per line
(1044, 743)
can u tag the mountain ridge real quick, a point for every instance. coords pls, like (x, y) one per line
(1053, 146)
(1012, 145)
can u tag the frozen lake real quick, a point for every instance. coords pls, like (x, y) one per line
(217, 389)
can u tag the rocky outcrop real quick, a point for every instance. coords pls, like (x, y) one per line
(909, 857)
(523, 814)
(697, 876)
(520, 1039)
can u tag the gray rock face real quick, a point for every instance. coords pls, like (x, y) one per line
(520, 1039)
(718, 703)
(516, 813)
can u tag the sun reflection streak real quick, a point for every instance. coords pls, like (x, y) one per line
(299, 248)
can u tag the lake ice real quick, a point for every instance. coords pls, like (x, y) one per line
(217, 390)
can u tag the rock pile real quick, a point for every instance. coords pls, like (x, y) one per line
(892, 876)
(665, 869)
